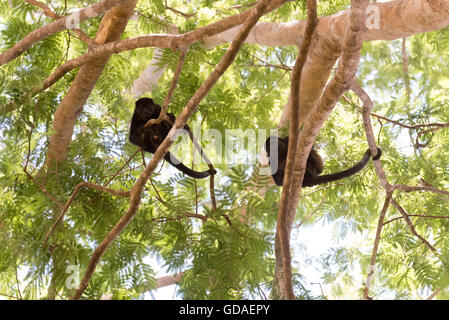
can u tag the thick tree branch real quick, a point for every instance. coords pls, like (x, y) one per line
(161, 282)
(55, 27)
(386, 21)
(112, 26)
(149, 78)
(336, 87)
(169, 280)
(283, 228)
(160, 41)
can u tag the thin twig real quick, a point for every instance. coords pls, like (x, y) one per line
(434, 294)
(49, 13)
(25, 169)
(171, 90)
(78, 188)
(18, 286)
(405, 68)
(8, 296)
(158, 196)
(407, 189)
(369, 278)
(412, 227)
(438, 125)
(209, 164)
(115, 175)
(413, 126)
(179, 217)
(185, 15)
(43, 189)
(417, 216)
(311, 214)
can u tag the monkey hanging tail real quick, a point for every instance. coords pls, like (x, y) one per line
(181, 167)
(313, 181)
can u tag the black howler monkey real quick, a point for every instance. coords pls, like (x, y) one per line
(150, 138)
(314, 166)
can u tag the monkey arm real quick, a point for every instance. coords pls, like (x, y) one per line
(312, 181)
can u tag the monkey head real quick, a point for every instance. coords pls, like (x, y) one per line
(146, 109)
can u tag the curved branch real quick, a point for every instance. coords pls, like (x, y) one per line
(367, 107)
(171, 90)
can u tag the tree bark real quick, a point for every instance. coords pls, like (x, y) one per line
(112, 26)
(396, 19)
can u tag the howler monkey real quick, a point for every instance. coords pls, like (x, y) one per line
(150, 138)
(314, 166)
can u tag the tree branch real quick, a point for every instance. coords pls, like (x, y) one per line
(49, 13)
(283, 228)
(434, 294)
(54, 27)
(181, 120)
(407, 189)
(366, 111)
(412, 228)
(171, 90)
(380, 224)
(111, 27)
(417, 216)
(75, 192)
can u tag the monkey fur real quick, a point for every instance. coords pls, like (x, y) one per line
(150, 138)
(314, 166)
